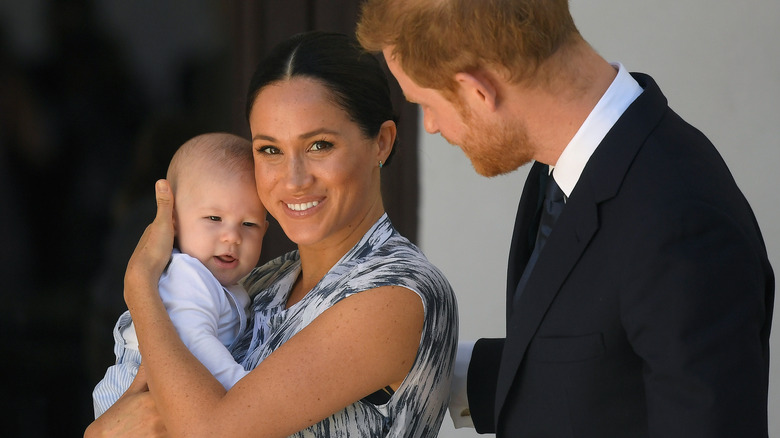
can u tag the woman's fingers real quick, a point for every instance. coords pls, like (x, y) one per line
(160, 233)
(154, 248)
(164, 203)
(134, 415)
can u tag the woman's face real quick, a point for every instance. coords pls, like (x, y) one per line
(316, 172)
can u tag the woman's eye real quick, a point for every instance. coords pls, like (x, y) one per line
(321, 145)
(269, 150)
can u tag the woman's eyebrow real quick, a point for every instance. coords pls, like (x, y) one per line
(263, 137)
(305, 135)
(317, 132)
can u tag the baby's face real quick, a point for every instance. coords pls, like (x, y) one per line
(221, 222)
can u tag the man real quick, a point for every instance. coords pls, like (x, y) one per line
(639, 293)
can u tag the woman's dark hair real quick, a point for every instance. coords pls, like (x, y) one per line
(354, 77)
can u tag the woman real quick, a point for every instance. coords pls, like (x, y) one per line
(354, 333)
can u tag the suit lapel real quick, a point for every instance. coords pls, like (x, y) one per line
(601, 180)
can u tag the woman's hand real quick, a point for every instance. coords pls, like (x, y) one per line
(134, 415)
(153, 251)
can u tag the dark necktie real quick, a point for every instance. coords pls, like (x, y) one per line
(554, 201)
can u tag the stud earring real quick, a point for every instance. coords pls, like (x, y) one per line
(380, 164)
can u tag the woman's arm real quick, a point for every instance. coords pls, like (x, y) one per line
(361, 344)
(348, 352)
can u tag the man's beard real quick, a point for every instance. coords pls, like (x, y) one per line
(494, 149)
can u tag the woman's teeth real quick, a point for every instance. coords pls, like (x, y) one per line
(302, 207)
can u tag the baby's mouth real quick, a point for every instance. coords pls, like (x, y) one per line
(226, 258)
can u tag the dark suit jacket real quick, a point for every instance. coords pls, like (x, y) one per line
(648, 312)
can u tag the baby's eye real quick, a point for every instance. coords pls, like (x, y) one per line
(321, 145)
(269, 150)
(214, 218)
(249, 224)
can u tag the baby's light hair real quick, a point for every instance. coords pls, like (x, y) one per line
(216, 151)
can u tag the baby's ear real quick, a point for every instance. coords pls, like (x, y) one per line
(175, 230)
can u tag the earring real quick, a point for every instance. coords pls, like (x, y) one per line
(380, 164)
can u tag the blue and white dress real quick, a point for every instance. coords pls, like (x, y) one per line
(381, 258)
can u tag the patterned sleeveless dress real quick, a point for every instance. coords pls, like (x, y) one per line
(381, 258)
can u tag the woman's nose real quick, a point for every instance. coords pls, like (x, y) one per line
(298, 174)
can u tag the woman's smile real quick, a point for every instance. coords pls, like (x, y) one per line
(303, 206)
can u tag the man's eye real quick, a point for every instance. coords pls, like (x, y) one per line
(268, 150)
(321, 145)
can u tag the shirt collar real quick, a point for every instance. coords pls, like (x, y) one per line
(620, 94)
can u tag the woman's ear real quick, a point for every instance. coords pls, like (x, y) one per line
(479, 88)
(385, 140)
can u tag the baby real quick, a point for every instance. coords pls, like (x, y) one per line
(219, 224)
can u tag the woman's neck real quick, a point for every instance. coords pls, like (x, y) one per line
(318, 259)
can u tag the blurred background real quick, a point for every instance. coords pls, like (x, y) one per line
(95, 95)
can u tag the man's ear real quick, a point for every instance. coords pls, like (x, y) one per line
(479, 88)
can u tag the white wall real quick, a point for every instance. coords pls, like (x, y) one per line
(719, 66)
